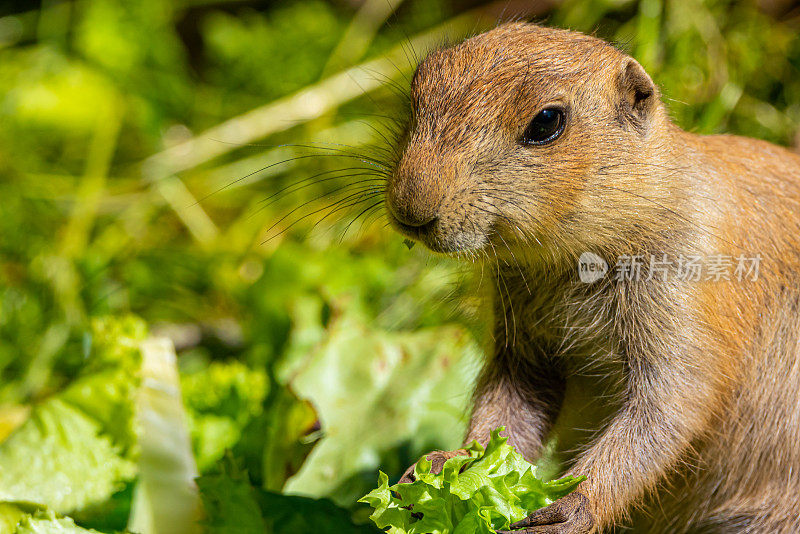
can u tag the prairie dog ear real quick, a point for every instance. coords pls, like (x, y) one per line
(638, 95)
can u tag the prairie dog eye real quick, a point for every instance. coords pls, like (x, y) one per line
(545, 127)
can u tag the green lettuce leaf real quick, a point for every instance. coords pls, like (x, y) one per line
(48, 523)
(221, 400)
(10, 517)
(165, 499)
(483, 492)
(60, 459)
(27, 518)
(365, 384)
(230, 501)
(78, 448)
(106, 389)
(234, 506)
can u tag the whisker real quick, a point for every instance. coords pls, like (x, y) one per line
(308, 182)
(304, 204)
(363, 195)
(373, 206)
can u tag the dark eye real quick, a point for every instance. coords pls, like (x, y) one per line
(546, 126)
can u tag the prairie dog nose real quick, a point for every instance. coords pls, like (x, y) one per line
(418, 186)
(413, 204)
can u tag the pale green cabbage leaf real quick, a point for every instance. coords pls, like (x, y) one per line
(48, 523)
(79, 447)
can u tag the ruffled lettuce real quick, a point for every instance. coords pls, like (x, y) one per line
(79, 447)
(480, 493)
(59, 458)
(48, 523)
(221, 400)
(119, 426)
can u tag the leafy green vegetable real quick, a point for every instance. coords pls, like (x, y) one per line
(60, 459)
(233, 506)
(230, 501)
(78, 448)
(288, 514)
(342, 328)
(48, 523)
(165, 499)
(221, 400)
(485, 491)
(365, 384)
(10, 516)
(282, 438)
(25, 518)
(106, 389)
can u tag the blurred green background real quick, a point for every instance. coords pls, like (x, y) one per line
(214, 168)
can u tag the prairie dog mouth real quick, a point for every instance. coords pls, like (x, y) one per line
(437, 238)
(414, 232)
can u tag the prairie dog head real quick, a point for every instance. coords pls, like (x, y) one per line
(516, 139)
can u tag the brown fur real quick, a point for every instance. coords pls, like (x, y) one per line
(679, 400)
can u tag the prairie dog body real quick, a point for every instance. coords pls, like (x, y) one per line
(677, 396)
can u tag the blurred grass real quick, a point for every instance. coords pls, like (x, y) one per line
(131, 142)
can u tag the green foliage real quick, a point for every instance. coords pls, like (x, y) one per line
(392, 404)
(230, 502)
(316, 352)
(221, 400)
(75, 465)
(79, 447)
(233, 506)
(483, 492)
(50, 524)
(275, 67)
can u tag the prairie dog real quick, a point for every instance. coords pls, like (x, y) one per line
(541, 151)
